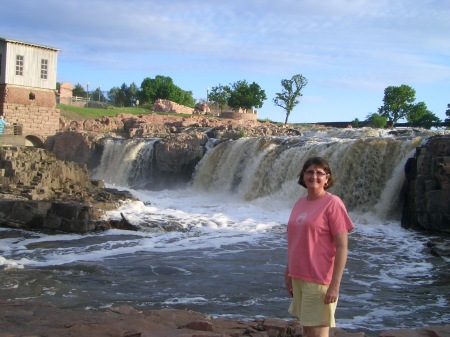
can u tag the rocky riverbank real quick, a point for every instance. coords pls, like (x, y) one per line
(21, 318)
(40, 192)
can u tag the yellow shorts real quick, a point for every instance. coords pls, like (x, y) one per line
(308, 304)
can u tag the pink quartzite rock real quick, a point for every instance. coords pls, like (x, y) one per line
(22, 318)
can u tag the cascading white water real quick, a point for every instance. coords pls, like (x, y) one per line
(368, 166)
(368, 170)
(126, 163)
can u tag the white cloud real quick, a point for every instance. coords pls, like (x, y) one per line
(352, 44)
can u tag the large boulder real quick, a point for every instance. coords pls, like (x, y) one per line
(73, 146)
(177, 155)
(427, 187)
(164, 105)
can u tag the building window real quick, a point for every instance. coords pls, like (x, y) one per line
(0, 64)
(44, 69)
(19, 65)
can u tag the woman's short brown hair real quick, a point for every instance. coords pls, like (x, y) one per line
(322, 163)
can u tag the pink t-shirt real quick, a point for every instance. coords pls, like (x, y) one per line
(311, 229)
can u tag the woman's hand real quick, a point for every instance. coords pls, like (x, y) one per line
(332, 294)
(288, 282)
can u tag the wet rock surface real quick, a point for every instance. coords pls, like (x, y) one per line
(427, 190)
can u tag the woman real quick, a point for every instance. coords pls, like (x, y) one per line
(317, 250)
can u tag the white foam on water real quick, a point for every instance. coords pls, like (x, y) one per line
(9, 264)
(207, 222)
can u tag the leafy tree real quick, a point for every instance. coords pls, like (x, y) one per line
(162, 87)
(132, 94)
(97, 95)
(355, 123)
(288, 97)
(245, 96)
(78, 91)
(219, 95)
(121, 97)
(182, 97)
(397, 103)
(420, 116)
(376, 121)
(113, 93)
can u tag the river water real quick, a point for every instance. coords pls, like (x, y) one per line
(227, 256)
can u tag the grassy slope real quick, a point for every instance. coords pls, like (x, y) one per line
(77, 113)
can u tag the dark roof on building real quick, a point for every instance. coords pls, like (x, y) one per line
(4, 39)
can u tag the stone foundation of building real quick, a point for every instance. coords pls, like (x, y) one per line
(239, 115)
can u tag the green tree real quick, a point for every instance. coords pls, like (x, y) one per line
(219, 95)
(121, 97)
(376, 121)
(288, 98)
(78, 91)
(131, 94)
(420, 116)
(397, 103)
(97, 95)
(162, 87)
(113, 93)
(246, 96)
(183, 97)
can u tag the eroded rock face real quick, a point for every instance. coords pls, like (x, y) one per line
(176, 157)
(38, 191)
(73, 146)
(427, 187)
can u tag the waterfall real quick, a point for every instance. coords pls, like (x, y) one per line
(368, 169)
(126, 163)
(368, 165)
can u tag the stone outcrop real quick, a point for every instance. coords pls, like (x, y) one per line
(37, 191)
(73, 146)
(176, 157)
(159, 126)
(96, 125)
(427, 187)
(164, 105)
(21, 318)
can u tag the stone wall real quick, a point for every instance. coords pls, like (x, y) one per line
(65, 93)
(27, 96)
(240, 115)
(427, 187)
(35, 120)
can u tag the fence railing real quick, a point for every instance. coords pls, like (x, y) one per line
(94, 100)
(14, 129)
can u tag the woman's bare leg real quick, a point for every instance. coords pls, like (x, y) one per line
(316, 331)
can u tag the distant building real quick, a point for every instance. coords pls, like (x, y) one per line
(28, 88)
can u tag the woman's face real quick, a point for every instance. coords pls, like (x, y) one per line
(315, 177)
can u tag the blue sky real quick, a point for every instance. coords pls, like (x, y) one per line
(349, 50)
